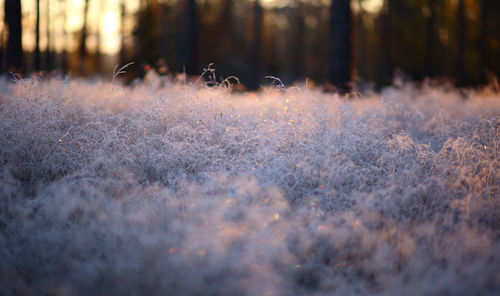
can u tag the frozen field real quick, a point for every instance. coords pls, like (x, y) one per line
(167, 189)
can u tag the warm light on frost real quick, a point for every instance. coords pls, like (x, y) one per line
(154, 181)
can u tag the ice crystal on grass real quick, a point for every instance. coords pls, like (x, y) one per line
(167, 188)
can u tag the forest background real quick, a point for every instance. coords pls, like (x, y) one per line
(453, 40)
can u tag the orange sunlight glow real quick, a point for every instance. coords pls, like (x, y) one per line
(66, 21)
(104, 20)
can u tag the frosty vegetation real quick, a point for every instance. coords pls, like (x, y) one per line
(165, 188)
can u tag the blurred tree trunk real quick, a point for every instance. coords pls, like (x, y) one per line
(483, 35)
(190, 48)
(38, 58)
(385, 76)
(148, 40)
(298, 46)
(48, 57)
(83, 40)
(98, 53)
(164, 36)
(14, 42)
(339, 64)
(122, 37)
(225, 57)
(429, 39)
(253, 82)
(360, 46)
(2, 39)
(461, 44)
(141, 32)
(64, 54)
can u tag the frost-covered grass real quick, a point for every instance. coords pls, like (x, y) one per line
(166, 189)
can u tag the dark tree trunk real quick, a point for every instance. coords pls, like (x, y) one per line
(83, 41)
(253, 82)
(429, 39)
(98, 53)
(226, 40)
(386, 67)
(339, 64)
(14, 45)
(64, 55)
(141, 32)
(360, 46)
(48, 57)
(2, 62)
(298, 50)
(190, 48)
(38, 58)
(461, 44)
(122, 37)
(164, 36)
(483, 35)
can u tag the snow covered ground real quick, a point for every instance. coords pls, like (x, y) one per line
(168, 189)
